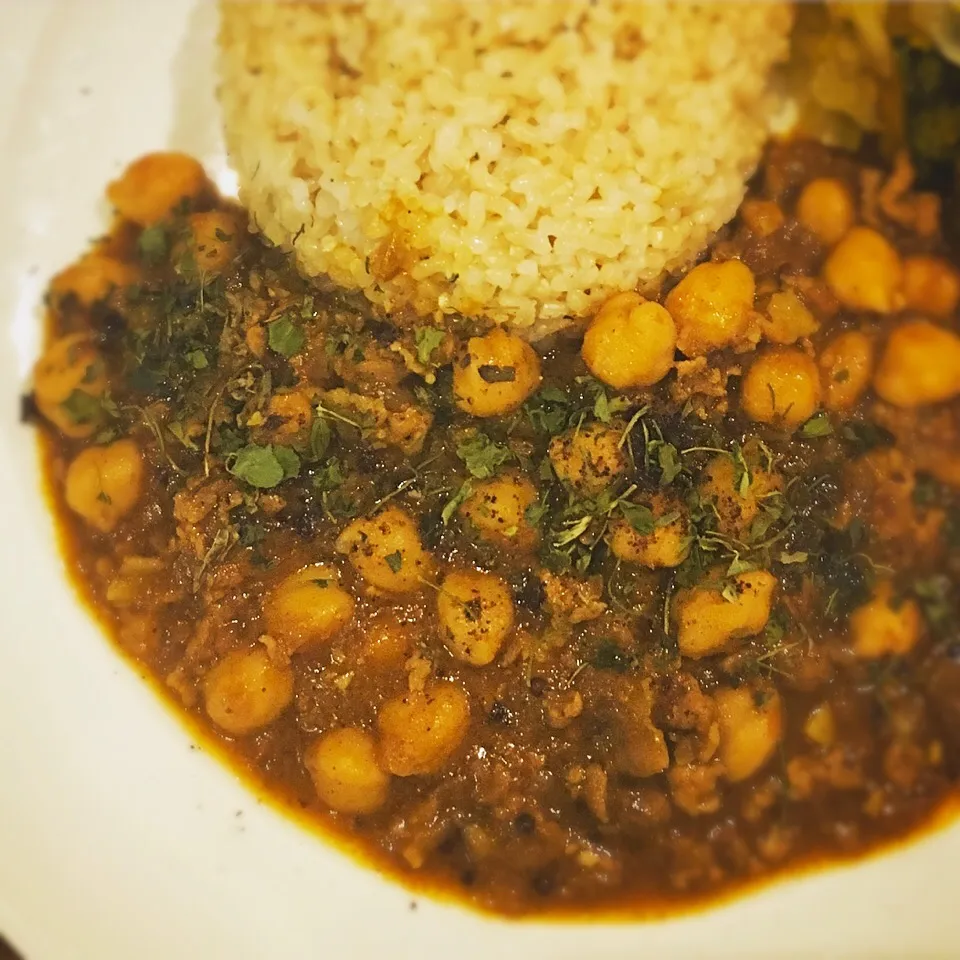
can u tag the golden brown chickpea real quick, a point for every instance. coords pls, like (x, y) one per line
(722, 485)
(885, 625)
(708, 621)
(919, 366)
(420, 731)
(589, 458)
(103, 484)
(786, 319)
(92, 279)
(495, 374)
(931, 286)
(154, 185)
(864, 272)
(289, 414)
(387, 641)
(345, 772)
(476, 614)
(781, 387)
(667, 545)
(69, 381)
(762, 217)
(846, 366)
(386, 550)
(825, 208)
(630, 342)
(712, 307)
(215, 240)
(497, 509)
(751, 725)
(246, 690)
(307, 608)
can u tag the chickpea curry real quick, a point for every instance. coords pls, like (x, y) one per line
(615, 621)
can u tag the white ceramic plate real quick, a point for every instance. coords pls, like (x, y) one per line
(118, 839)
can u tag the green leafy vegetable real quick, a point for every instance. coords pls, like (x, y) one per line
(285, 337)
(482, 456)
(427, 339)
(394, 560)
(455, 502)
(818, 425)
(82, 407)
(264, 467)
(639, 517)
(320, 437)
(198, 360)
(152, 245)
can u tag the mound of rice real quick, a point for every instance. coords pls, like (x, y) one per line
(518, 160)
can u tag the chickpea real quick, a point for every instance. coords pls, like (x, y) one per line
(708, 621)
(154, 185)
(826, 209)
(214, 240)
(931, 286)
(920, 365)
(630, 342)
(786, 319)
(307, 608)
(246, 690)
(386, 551)
(497, 509)
(92, 279)
(419, 731)
(736, 504)
(712, 307)
(69, 381)
(781, 387)
(289, 415)
(667, 545)
(864, 272)
(885, 625)
(345, 772)
(588, 458)
(387, 642)
(103, 484)
(820, 727)
(751, 725)
(762, 217)
(846, 366)
(495, 375)
(476, 614)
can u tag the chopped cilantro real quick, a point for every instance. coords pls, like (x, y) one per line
(198, 360)
(320, 436)
(329, 476)
(818, 425)
(394, 560)
(454, 503)
(82, 407)
(152, 244)
(427, 340)
(482, 456)
(285, 337)
(639, 517)
(264, 467)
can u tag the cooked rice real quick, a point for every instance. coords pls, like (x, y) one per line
(512, 159)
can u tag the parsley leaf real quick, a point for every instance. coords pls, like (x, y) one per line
(670, 465)
(427, 340)
(639, 517)
(454, 503)
(320, 436)
(285, 337)
(482, 456)
(82, 407)
(818, 425)
(152, 244)
(264, 467)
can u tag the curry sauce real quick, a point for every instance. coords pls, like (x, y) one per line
(617, 621)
